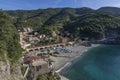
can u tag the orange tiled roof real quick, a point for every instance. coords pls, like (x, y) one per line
(29, 59)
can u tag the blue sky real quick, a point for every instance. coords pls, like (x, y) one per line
(36, 4)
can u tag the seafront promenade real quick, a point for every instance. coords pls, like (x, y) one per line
(48, 46)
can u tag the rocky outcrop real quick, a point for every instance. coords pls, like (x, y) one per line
(10, 50)
(8, 72)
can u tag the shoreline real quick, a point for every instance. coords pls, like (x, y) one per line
(63, 62)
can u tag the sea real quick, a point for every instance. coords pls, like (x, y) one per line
(99, 63)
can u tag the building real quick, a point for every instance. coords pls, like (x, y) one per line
(63, 39)
(30, 59)
(37, 66)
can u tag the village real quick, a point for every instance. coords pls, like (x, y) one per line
(36, 59)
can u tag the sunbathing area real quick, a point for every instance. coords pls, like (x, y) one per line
(54, 58)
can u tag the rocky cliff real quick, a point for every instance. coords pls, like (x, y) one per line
(10, 50)
(10, 72)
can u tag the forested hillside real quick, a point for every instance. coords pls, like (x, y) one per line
(110, 10)
(9, 39)
(93, 26)
(46, 17)
(79, 22)
(10, 50)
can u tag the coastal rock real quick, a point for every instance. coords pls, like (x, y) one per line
(8, 72)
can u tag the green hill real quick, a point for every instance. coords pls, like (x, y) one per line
(93, 25)
(110, 10)
(46, 17)
(9, 39)
(79, 22)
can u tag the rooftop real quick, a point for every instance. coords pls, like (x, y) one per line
(31, 58)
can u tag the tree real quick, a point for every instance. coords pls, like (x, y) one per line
(51, 77)
(42, 78)
(9, 39)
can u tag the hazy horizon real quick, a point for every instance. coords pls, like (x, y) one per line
(44, 4)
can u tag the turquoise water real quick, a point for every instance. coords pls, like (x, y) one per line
(100, 63)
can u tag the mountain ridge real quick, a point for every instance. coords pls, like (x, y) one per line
(54, 19)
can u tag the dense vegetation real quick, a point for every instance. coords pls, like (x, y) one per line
(53, 19)
(93, 26)
(110, 10)
(9, 39)
(79, 22)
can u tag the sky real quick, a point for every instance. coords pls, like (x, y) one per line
(42, 4)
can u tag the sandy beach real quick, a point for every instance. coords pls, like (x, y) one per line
(64, 59)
